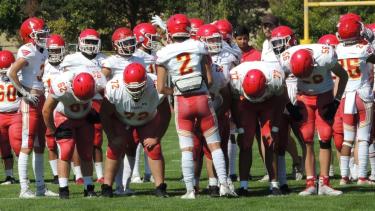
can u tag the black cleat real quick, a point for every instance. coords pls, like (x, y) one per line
(214, 191)
(89, 192)
(285, 190)
(275, 192)
(233, 177)
(9, 180)
(107, 191)
(55, 180)
(242, 192)
(64, 193)
(161, 191)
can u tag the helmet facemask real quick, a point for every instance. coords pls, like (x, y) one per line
(214, 43)
(40, 37)
(280, 44)
(55, 54)
(90, 45)
(126, 46)
(136, 89)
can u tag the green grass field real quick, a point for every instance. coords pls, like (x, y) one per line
(354, 198)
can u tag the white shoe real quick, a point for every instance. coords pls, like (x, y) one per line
(225, 190)
(365, 182)
(231, 185)
(327, 190)
(372, 177)
(27, 194)
(308, 191)
(265, 178)
(189, 195)
(43, 191)
(136, 179)
(344, 181)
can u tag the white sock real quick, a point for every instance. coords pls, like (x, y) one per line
(127, 171)
(274, 185)
(362, 159)
(187, 164)
(219, 164)
(371, 156)
(232, 155)
(281, 170)
(136, 172)
(344, 166)
(9, 172)
(87, 180)
(99, 169)
(22, 170)
(244, 184)
(118, 178)
(77, 170)
(38, 167)
(53, 164)
(147, 167)
(63, 182)
(355, 172)
(212, 181)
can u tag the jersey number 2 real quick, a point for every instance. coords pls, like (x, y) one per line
(185, 59)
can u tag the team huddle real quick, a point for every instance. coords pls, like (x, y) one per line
(221, 91)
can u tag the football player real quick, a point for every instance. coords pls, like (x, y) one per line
(30, 60)
(356, 106)
(137, 106)
(315, 104)
(11, 120)
(195, 23)
(89, 59)
(67, 114)
(187, 62)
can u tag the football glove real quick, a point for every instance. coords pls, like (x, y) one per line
(157, 21)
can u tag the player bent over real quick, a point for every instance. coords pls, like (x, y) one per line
(71, 94)
(132, 104)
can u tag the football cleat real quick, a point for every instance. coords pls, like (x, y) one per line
(365, 181)
(148, 178)
(27, 194)
(189, 195)
(79, 181)
(344, 181)
(372, 177)
(161, 191)
(233, 177)
(275, 192)
(225, 190)
(89, 192)
(214, 191)
(43, 191)
(242, 191)
(100, 180)
(285, 190)
(136, 180)
(327, 190)
(9, 180)
(106, 191)
(64, 193)
(310, 190)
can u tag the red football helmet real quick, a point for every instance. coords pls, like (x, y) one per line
(56, 48)
(302, 63)
(146, 34)
(329, 39)
(349, 30)
(135, 78)
(89, 41)
(210, 35)
(83, 86)
(225, 28)
(282, 37)
(350, 16)
(371, 26)
(254, 83)
(35, 31)
(6, 60)
(123, 41)
(195, 24)
(178, 26)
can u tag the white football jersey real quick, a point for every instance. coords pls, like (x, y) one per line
(149, 60)
(320, 80)
(224, 62)
(272, 71)
(267, 52)
(50, 72)
(61, 90)
(118, 63)
(130, 112)
(35, 60)
(353, 59)
(9, 101)
(77, 62)
(183, 60)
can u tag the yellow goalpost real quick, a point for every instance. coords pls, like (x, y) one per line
(306, 4)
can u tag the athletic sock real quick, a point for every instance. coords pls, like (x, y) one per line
(219, 164)
(22, 170)
(53, 164)
(187, 164)
(363, 154)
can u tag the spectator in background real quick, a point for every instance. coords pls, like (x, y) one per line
(241, 35)
(269, 22)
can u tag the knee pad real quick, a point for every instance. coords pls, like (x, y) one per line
(325, 144)
(212, 138)
(155, 152)
(185, 141)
